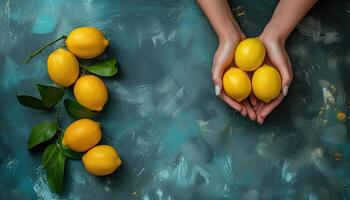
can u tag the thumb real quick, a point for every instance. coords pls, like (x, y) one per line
(286, 75)
(217, 73)
(282, 62)
(222, 59)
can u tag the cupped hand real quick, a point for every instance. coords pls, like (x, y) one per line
(278, 57)
(223, 58)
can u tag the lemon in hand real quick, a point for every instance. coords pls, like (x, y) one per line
(266, 83)
(236, 84)
(82, 135)
(250, 54)
(86, 42)
(101, 160)
(63, 67)
(91, 92)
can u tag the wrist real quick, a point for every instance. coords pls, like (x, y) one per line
(271, 32)
(230, 34)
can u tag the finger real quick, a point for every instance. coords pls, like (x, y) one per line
(244, 111)
(286, 76)
(260, 120)
(258, 110)
(268, 108)
(253, 100)
(232, 103)
(222, 59)
(217, 73)
(250, 111)
(256, 106)
(279, 58)
(281, 61)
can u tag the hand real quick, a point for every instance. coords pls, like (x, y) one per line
(223, 58)
(277, 55)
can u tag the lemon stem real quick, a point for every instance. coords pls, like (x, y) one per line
(43, 48)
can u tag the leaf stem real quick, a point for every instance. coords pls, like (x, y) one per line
(83, 69)
(43, 48)
(83, 66)
(58, 106)
(57, 113)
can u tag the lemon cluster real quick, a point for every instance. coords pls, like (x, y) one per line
(63, 66)
(83, 135)
(266, 80)
(90, 91)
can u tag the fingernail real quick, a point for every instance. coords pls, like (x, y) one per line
(253, 118)
(285, 90)
(217, 90)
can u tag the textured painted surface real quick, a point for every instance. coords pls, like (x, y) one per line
(176, 139)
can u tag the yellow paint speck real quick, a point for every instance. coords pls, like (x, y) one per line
(239, 11)
(338, 156)
(341, 116)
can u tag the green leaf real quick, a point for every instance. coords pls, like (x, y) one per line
(69, 152)
(42, 132)
(104, 68)
(74, 109)
(31, 102)
(50, 95)
(50, 153)
(54, 162)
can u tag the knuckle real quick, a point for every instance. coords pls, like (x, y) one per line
(288, 79)
(215, 79)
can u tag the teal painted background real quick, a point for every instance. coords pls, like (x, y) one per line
(176, 139)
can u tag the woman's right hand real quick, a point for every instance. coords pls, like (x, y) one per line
(223, 58)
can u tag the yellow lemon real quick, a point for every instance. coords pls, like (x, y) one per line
(250, 54)
(86, 42)
(236, 84)
(82, 135)
(266, 83)
(63, 67)
(101, 160)
(91, 92)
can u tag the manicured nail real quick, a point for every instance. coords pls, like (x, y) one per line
(285, 90)
(217, 90)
